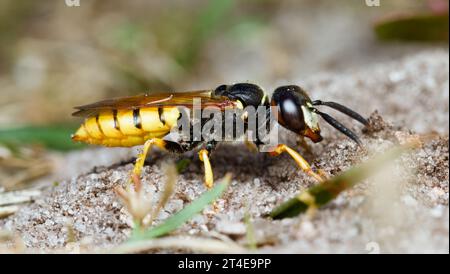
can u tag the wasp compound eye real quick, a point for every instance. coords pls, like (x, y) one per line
(295, 112)
(290, 114)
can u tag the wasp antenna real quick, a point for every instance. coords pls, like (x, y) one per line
(337, 125)
(342, 109)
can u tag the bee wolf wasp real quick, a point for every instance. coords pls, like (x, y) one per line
(148, 119)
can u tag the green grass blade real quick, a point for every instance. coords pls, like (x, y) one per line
(325, 192)
(416, 27)
(55, 137)
(186, 213)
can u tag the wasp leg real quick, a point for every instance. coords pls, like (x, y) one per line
(209, 178)
(137, 170)
(302, 142)
(304, 165)
(163, 144)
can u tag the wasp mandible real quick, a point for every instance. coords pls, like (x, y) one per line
(147, 119)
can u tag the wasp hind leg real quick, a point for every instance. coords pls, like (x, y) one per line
(137, 170)
(302, 163)
(163, 144)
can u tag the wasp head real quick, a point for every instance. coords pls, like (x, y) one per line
(299, 114)
(296, 112)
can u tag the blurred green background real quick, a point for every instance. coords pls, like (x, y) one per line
(53, 57)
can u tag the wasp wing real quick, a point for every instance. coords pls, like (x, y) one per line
(185, 99)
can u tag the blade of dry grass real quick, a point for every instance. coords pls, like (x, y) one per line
(250, 231)
(189, 243)
(5, 211)
(17, 197)
(171, 174)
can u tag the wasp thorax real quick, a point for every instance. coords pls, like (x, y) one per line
(248, 94)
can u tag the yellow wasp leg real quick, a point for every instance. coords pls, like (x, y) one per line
(209, 179)
(298, 158)
(137, 170)
(302, 142)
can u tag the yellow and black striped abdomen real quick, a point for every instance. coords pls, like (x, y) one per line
(127, 127)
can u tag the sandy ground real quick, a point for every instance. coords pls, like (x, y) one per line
(402, 210)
